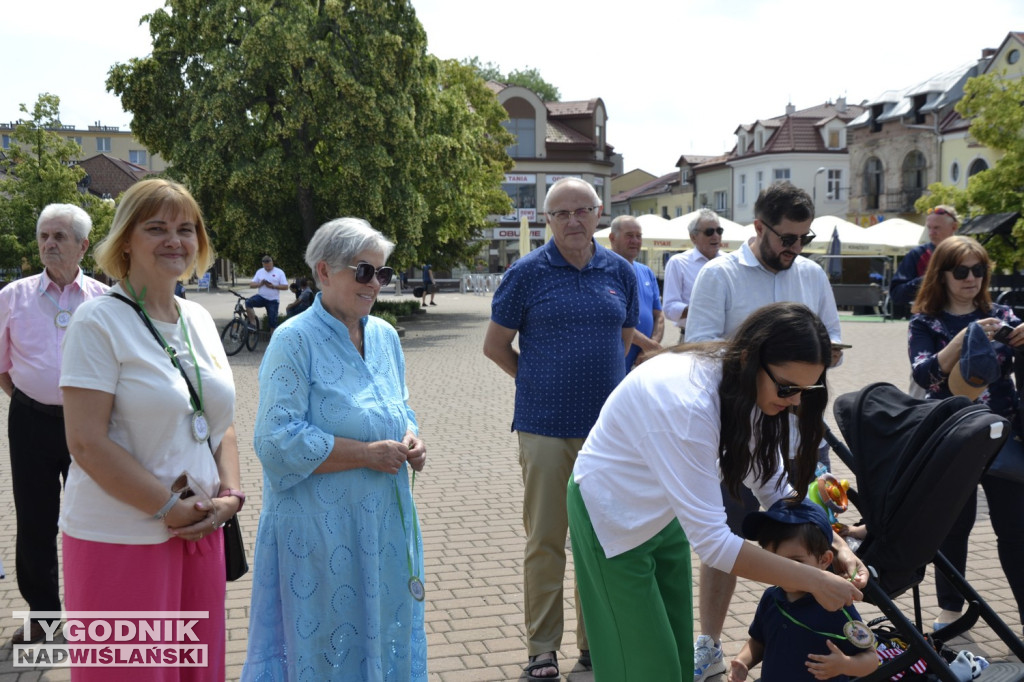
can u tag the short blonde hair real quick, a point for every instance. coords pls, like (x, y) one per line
(142, 201)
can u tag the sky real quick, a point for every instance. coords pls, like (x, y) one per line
(676, 76)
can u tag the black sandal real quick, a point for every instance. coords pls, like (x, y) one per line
(535, 664)
(585, 659)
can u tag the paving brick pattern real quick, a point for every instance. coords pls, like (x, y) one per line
(469, 500)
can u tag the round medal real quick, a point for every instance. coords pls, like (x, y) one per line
(200, 427)
(416, 588)
(859, 634)
(63, 318)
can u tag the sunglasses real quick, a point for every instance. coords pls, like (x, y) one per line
(365, 272)
(787, 390)
(789, 239)
(961, 271)
(942, 211)
(708, 231)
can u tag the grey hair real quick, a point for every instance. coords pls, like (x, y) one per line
(618, 220)
(705, 215)
(339, 241)
(567, 181)
(81, 223)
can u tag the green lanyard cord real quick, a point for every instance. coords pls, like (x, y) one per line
(410, 545)
(141, 301)
(806, 627)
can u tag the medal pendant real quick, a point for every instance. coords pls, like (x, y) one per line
(200, 427)
(63, 319)
(859, 634)
(416, 588)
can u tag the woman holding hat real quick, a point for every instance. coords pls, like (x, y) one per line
(639, 498)
(950, 354)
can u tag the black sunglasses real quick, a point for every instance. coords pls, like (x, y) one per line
(787, 390)
(790, 239)
(365, 272)
(708, 231)
(961, 271)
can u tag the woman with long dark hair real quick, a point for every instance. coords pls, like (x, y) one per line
(646, 485)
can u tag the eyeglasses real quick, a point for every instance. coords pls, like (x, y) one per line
(961, 271)
(365, 272)
(708, 231)
(789, 239)
(787, 390)
(579, 214)
(942, 211)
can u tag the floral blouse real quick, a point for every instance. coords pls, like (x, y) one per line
(930, 334)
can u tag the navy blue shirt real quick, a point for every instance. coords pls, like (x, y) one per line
(787, 644)
(570, 326)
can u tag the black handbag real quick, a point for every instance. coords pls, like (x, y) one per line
(1009, 461)
(235, 563)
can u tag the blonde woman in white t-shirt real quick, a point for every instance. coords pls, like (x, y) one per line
(646, 486)
(136, 421)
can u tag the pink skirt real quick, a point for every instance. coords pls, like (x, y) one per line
(171, 576)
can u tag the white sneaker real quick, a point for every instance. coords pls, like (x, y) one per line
(707, 659)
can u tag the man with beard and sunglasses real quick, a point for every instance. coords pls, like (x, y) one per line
(681, 269)
(768, 269)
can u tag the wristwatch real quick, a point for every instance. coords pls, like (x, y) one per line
(229, 492)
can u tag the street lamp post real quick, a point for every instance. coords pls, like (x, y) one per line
(814, 187)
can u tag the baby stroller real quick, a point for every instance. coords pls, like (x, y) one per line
(906, 454)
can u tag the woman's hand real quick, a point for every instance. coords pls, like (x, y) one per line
(189, 519)
(848, 564)
(834, 592)
(417, 455)
(386, 456)
(1016, 338)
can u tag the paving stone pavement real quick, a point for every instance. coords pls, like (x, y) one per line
(469, 500)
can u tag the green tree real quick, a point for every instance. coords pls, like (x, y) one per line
(283, 114)
(40, 169)
(992, 103)
(529, 78)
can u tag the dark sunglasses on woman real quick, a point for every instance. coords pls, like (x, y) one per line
(960, 271)
(787, 390)
(365, 272)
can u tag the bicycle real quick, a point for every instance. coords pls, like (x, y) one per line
(237, 333)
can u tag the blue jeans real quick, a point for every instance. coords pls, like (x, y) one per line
(258, 301)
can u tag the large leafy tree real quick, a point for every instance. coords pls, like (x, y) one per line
(283, 114)
(529, 78)
(38, 169)
(993, 104)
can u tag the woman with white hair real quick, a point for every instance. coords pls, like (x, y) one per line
(338, 578)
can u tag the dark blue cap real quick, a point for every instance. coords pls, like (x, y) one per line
(787, 511)
(979, 365)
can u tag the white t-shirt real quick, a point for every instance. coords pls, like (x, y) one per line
(108, 348)
(275, 276)
(653, 455)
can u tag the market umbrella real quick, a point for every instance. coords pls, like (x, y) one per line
(524, 236)
(835, 249)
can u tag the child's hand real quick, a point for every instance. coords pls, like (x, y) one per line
(737, 671)
(827, 666)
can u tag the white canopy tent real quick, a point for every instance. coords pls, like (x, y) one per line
(674, 235)
(902, 235)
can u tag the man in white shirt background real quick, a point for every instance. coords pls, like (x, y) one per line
(768, 269)
(270, 282)
(681, 269)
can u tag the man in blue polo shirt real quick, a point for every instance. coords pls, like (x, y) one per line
(574, 305)
(626, 238)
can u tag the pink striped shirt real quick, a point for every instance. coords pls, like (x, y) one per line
(30, 339)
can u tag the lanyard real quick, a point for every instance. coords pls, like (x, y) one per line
(854, 631)
(415, 584)
(200, 427)
(63, 317)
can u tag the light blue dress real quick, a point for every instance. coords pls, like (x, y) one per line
(330, 594)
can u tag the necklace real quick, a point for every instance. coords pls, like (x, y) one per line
(200, 427)
(854, 631)
(415, 584)
(63, 317)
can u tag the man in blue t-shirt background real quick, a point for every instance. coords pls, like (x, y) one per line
(627, 237)
(573, 305)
